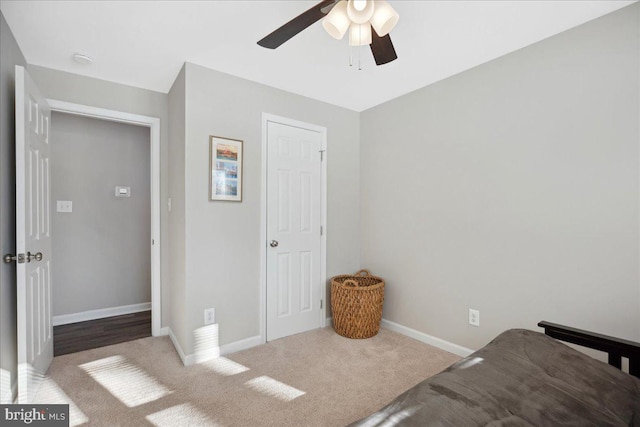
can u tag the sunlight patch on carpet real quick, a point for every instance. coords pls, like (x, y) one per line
(225, 367)
(274, 388)
(180, 415)
(127, 382)
(50, 393)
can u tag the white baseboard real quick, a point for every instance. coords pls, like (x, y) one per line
(100, 313)
(241, 345)
(426, 338)
(164, 331)
(192, 359)
(176, 345)
(328, 321)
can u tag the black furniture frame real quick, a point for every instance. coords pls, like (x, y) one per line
(617, 348)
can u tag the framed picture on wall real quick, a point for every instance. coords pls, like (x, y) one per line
(225, 169)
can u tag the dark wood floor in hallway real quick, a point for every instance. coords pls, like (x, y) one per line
(81, 336)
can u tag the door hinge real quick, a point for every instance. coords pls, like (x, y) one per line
(153, 242)
(321, 231)
(320, 304)
(322, 155)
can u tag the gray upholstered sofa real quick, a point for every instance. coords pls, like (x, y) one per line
(526, 378)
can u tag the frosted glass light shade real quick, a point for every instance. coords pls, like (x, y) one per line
(337, 22)
(360, 16)
(384, 18)
(359, 34)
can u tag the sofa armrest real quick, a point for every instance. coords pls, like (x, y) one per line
(617, 348)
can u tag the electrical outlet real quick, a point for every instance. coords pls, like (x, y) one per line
(64, 206)
(474, 317)
(209, 316)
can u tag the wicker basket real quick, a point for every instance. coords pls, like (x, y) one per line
(356, 303)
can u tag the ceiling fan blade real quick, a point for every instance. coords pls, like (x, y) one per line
(297, 24)
(382, 48)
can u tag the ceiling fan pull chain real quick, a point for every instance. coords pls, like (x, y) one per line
(360, 49)
(359, 59)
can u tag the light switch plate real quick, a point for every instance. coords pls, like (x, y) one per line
(122, 191)
(65, 206)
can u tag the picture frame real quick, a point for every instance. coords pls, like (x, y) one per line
(225, 169)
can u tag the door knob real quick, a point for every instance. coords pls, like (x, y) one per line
(37, 256)
(273, 243)
(9, 258)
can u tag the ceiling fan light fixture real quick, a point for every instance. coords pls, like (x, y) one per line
(360, 34)
(384, 18)
(359, 13)
(337, 21)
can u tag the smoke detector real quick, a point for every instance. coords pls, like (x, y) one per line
(82, 59)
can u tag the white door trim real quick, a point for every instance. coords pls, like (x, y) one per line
(153, 123)
(266, 118)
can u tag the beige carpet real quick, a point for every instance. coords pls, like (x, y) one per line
(316, 378)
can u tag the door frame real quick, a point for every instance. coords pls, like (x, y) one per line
(266, 118)
(153, 123)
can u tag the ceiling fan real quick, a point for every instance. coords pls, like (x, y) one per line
(367, 21)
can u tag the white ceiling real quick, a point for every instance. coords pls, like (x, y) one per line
(145, 43)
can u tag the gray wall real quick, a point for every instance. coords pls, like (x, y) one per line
(512, 188)
(222, 238)
(101, 249)
(78, 89)
(10, 56)
(177, 293)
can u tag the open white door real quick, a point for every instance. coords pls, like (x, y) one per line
(294, 194)
(33, 236)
